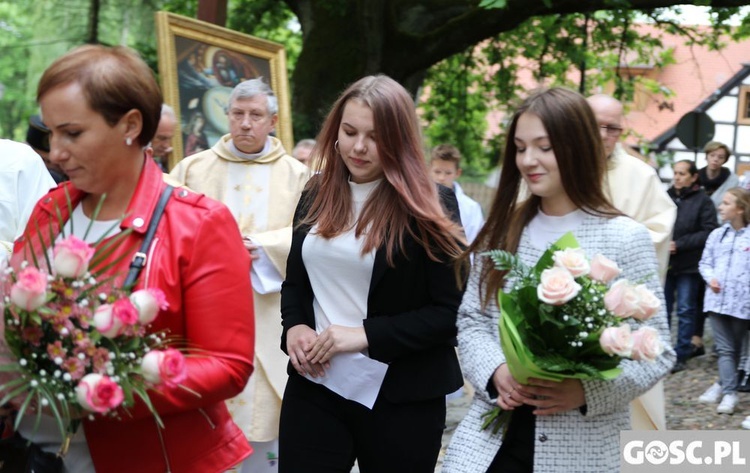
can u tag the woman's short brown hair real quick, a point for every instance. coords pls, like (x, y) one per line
(114, 81)
(712, 146)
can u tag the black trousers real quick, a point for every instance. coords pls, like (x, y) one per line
(516, 454)
(321, 432)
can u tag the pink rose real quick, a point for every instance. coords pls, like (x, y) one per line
(617, 341)
(603, 269)
(148, 302)
(646, 344)
(71, 257)
(164, 367)
(622, 299)
(111, 319)
(572, 259)
(557, 286)
(98, 393)
(648, 303)
(29, 292)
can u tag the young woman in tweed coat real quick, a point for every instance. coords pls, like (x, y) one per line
(554, 147)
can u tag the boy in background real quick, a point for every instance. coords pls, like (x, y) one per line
(445, 168)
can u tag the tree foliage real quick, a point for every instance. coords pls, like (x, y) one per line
(590, 52)
(445, 47)
(33, 34)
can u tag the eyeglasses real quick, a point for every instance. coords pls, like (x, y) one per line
(611, 130)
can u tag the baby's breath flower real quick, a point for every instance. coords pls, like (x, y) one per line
(58, 360)
(42, 373)
(23, 362)
(45, 402)
(64, 331)
(67, 377)
(34, 383)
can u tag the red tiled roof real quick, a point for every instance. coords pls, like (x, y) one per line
(696, 74)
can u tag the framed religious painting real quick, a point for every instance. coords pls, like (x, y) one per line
(199, 65)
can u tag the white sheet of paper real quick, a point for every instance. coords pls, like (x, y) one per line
(263, 274)
(354, 376)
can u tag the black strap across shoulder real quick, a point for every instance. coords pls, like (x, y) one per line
(139, 259)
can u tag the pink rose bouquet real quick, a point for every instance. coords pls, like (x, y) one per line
(561, 319)
(75, 344)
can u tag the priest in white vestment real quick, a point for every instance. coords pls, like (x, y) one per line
(250, 172)
(635, 190)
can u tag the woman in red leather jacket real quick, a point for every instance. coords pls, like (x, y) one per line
(102, 107)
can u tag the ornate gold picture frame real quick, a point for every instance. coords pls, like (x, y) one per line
(199, 64)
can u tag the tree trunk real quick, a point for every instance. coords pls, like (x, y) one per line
(93, 30)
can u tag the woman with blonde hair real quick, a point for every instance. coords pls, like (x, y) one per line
(370, 298)
(554, 147)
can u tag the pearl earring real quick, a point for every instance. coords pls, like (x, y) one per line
(128, 141)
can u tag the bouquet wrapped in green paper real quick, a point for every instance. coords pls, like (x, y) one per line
(565, 318)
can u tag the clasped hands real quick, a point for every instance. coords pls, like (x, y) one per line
(310, 352)
(548, 397)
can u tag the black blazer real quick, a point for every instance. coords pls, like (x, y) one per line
(411, 313)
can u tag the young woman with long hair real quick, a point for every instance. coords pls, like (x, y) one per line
(370, 298)
(555, 149)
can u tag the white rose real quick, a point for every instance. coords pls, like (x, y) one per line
(603, 269)
(648, 303)
(646, 344)
(147, 305)
(557, 286)
(617, 341)
(106, 322)
(572, 259)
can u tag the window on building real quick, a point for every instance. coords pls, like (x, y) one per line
(743, 112)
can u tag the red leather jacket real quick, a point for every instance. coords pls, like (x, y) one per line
(197, 258)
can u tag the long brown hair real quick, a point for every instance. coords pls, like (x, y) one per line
(574, 135)
(406, 202)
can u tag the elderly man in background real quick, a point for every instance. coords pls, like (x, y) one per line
(635, 189)
(302, 151)
(23, 181)
(162, 141)
(251, 173)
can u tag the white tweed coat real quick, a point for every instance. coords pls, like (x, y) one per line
(570, 441)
